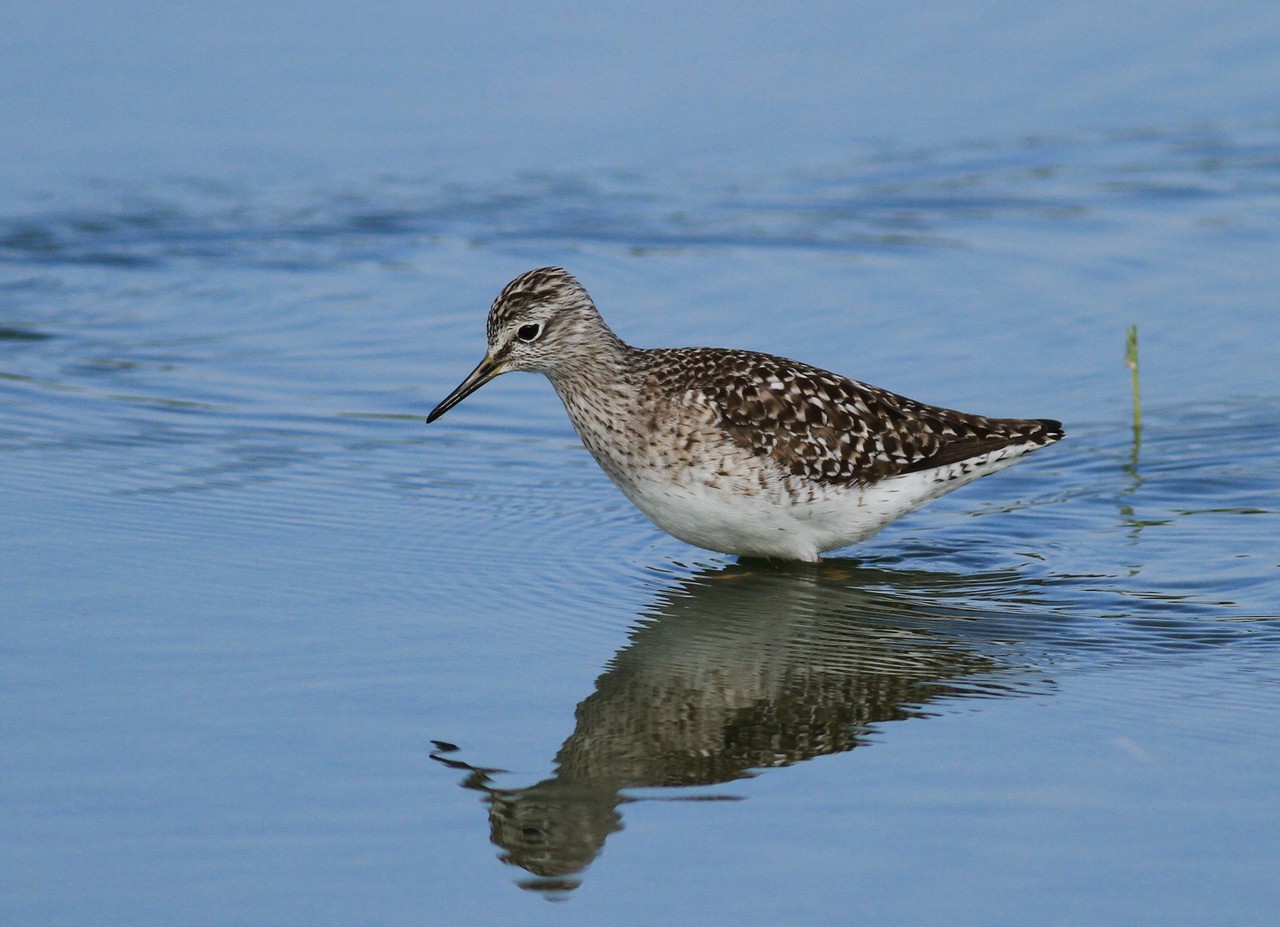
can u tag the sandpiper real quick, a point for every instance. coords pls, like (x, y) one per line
(737, 451)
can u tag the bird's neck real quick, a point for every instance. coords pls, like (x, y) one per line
(599, 390)
(600, 364)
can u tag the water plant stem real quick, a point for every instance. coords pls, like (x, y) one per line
(1131, 361)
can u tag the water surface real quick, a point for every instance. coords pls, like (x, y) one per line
(274, 651)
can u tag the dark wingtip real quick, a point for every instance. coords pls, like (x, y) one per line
(1053, 430)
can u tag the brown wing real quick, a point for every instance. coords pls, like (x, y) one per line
(823, 426)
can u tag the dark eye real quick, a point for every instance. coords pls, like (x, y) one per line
(529, 332)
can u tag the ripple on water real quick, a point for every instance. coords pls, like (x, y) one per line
(233, 398)
(216, 473)
(872, 200)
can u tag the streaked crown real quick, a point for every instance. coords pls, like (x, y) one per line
(543, 320)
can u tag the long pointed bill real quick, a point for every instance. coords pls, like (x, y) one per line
(485, 371)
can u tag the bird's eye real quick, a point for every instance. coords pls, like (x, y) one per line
(529, 332)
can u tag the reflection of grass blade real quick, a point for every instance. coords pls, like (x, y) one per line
(1131, 361)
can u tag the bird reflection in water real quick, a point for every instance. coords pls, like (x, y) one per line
(746, 668)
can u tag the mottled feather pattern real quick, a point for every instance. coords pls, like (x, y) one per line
(818, 425)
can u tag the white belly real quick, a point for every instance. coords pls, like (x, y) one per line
(790, 525)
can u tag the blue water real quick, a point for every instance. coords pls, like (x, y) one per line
(274, 651)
